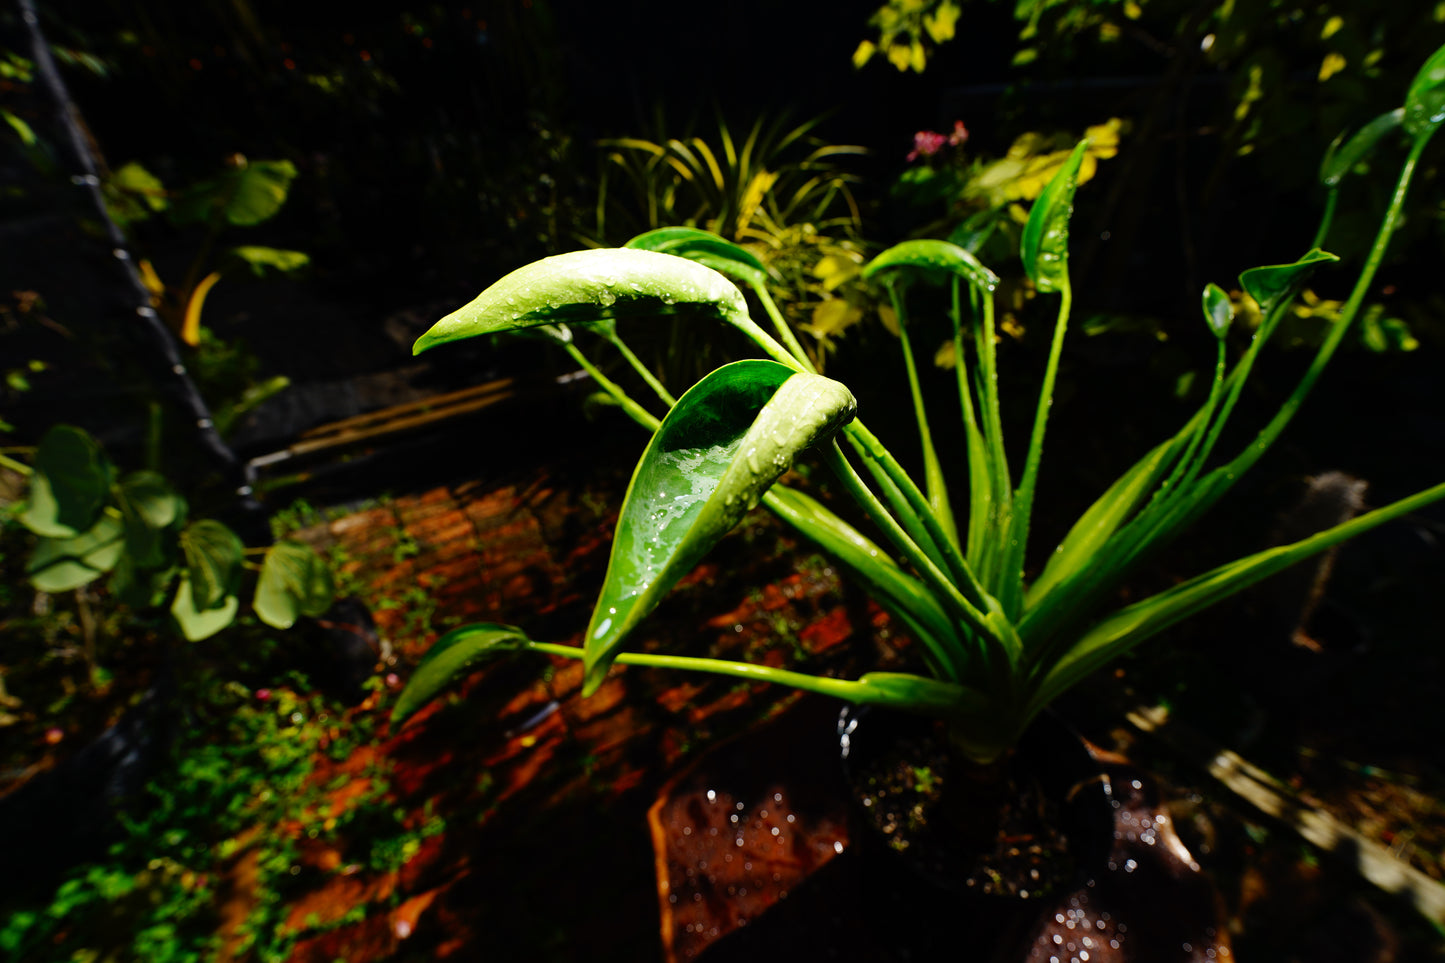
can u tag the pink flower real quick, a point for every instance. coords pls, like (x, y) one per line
(959, 135)
(926, 143)
(263, 694)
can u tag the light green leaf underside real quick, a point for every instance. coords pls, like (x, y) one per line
(294, 581)
(61, 564)
(200, 624)
(454, 655)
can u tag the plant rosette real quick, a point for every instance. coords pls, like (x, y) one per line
(998, 640)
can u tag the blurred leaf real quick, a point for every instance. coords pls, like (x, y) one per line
(197, 625)
(1338, 163)
(454, 655)
(213, 555)
(70, 484)
(147, 506)
(934, 260)
(294, 581)
(61, 564)
(260, 259)
(1218, 311)
(241, 196)
(705, 248)
(22, 129)
(715, 454)
(1425, 101)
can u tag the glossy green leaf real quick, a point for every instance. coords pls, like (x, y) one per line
(1218, 311)
(213, 555)
(587, 285)
(70, 484)
(1425, 101)
(1044, 246)
(453, 656)
(61, 564)
(1339, 162)
(933, 259)
(294, 581)
(1269, 283)
(200, 624)
(243, 195)
(705, 248)
(715, 454)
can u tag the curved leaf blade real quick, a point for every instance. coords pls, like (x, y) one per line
(705, 248)
(454, 655)
(1218, 311)
(1270, 282)
(1425, 101)
(197, 624)
(244, 195)
(213, 556)
(718, 450)
(934, 260)
(61, 564)
(70, 485)
(147, 506)
(587, 285)
(1338, 163)
(1044, 246)
(294, 581)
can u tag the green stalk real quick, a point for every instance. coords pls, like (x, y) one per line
(785, 330)
(990, 563)
(635, 411)
(1011, 577)
(899, 690)
(643, 372)
(932, 470)
(944, 589)
(1332, 196)
(15, 466)
(980, 489)
(872, 451)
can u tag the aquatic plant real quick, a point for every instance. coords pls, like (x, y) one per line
(997, 646)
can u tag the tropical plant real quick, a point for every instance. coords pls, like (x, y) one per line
(90, 522)
(997, 647)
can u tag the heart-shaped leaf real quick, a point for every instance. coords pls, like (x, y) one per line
(1339, 162)
(1218, 311)
(246, 194)
(1425, 101)
(1044, 246)
(200, 624)
(933, 259)
(705, 248)
(61, 564)
(213, 556)
(454, 655)
(70, 484)
(587, 285)
(715, 454)
(294, 581)
(1271, 282)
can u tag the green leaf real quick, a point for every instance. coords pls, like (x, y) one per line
(241, 196)
(22, 129)
(715, 454)
(61, 564)
(200, 624)
(1044, 246)
(1338, 163)
(147, 506)
(1425, 101)
(70, 483)
(140, 588)
(705, 248)
(935, 260)
(588, 285)
(133, 194)
(294, 581)
(1218, 311)
(261, 259)
(454, 655)
(1271, 282)
(213, 556)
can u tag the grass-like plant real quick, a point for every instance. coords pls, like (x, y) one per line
(997, 647)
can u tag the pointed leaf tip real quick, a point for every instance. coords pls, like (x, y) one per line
(933, 258)
(718, 450)
(1044, 246)
(588, 285)
(453, 656)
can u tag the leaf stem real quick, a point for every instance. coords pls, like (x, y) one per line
(635, 411)
(785, 330)
(932, 470)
